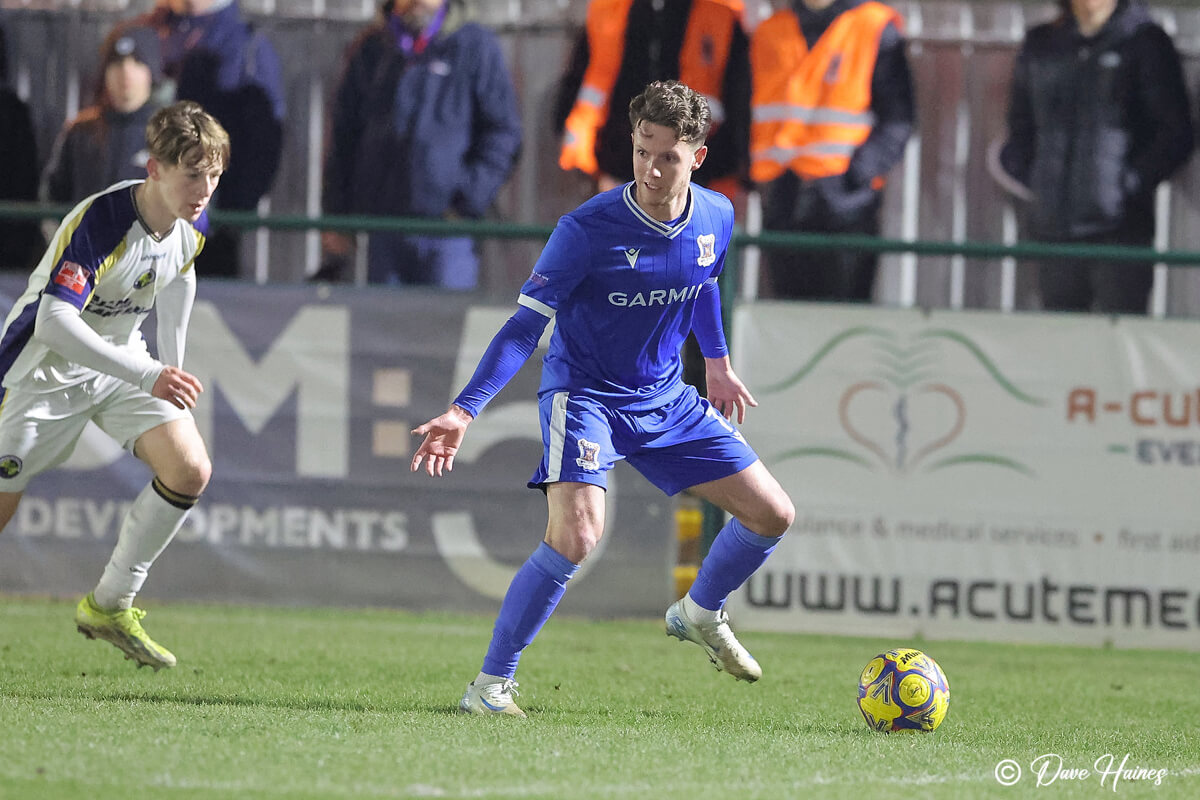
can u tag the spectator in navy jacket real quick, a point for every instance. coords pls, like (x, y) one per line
(1098, 117)
(424, 124)
(220, 61)
(106, 142)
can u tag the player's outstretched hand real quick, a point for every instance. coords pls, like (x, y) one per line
(178, 387)
(726, 391)
(443, 435)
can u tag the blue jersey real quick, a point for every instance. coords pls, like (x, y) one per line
(621, 288)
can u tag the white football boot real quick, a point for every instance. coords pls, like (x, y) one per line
(489, 694)
(717, 639)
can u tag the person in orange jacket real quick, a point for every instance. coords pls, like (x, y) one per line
(627, 44)
(832, 109)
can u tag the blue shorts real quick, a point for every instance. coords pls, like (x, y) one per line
(682, 444)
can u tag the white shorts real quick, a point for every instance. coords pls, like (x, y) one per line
(42, 419)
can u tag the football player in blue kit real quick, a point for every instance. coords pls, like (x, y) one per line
(72, 352)
(625, 277)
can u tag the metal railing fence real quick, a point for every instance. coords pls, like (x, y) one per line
(766, 240)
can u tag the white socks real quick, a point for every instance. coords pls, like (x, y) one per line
(697, 613)
(484, 679)
(156, 515)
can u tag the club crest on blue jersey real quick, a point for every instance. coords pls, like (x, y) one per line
(144, 280)
(10, 466)
(589, 455)
(708, 249)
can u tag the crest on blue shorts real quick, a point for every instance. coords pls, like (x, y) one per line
(589, 455)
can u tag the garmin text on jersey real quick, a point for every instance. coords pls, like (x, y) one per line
(654, 297)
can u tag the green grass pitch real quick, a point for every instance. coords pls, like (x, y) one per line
(325, 703)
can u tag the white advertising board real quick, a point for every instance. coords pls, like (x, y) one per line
(976, 475)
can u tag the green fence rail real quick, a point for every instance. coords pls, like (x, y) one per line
(770, 240)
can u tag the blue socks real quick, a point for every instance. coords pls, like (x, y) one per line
(540, 582)
(735, 554)
(531, 598)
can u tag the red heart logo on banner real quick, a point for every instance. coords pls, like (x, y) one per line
(920, 423)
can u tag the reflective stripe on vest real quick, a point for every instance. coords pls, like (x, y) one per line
(702, 60)
(782, 112)
(811, 109)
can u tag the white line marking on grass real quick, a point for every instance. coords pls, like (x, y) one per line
(902, 780)
(245, 617)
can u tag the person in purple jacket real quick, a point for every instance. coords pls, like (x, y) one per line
(425, 123)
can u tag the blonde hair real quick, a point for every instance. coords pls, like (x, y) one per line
(184, 134)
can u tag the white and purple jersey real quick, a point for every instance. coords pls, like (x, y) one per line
(621, 288)
(106, 262)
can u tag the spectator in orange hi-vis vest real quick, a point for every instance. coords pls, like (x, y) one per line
(627, 44)
(831, 110)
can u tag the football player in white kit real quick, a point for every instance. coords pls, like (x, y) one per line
(72, 352)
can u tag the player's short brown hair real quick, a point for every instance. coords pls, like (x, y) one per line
(676, 106)
(184, 134)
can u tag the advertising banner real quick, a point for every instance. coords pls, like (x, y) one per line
(974, 475)
(310, 394)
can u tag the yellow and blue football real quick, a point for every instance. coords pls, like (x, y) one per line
(903, 690)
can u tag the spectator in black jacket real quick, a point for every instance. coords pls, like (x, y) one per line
(106, 143)
(20, 242)
(1098, 117)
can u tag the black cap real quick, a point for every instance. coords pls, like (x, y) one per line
(139, 42)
